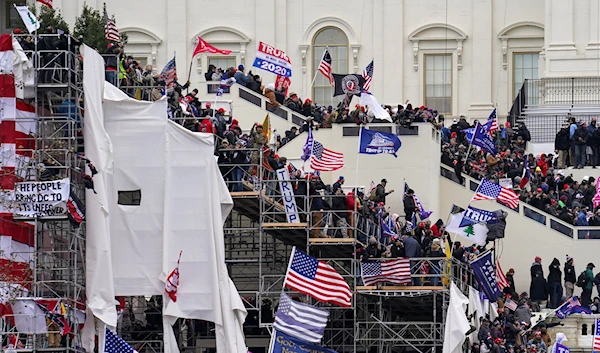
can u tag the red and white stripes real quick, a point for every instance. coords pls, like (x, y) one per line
(16, 238)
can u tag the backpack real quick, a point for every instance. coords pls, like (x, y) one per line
(582, 280)
(597, 279)
(373, 194)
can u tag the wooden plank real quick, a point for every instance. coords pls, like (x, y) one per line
(399, 288)
(284, 225)
(235, 194)
(325, 241)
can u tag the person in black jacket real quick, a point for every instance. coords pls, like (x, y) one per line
(561, 145)
(397, 248)
(570, 277)
(208, 74)
(538, 291)
(555, 284)
(580, 139)
(510, 277)
(409, 205)
(380, 192)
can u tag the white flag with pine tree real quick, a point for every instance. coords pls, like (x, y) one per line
(475, 233)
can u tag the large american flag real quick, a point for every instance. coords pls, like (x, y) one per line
(395, 271)
(169, 73)
(596, 345)
(303, 321)
(115, 344)
(501, 277)
(325, 160)
(325, 67)
(309, 276)
(491, 191)
(111, 33)
(368, 76)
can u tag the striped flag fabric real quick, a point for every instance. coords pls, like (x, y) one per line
(46, 2)
(111, 33)
(325, 67)
(51, 309)
(325, 160)
(510, 304)
(596, 343)
(172, 282)
(169, 73)
(501, 277)
(367, 74)
(396, 271)
(312, 277)
(526, 175)
(303, 321)
(488, 190)
(494, 121)
(76, 210)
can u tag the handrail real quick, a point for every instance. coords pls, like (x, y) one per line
(572, 231)
(518, 105)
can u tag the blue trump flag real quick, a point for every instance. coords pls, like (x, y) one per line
(376, 142)
(475, 216)
(562, 349)
(283, 343)
(571, 306)
(484, 271)
(482, 138)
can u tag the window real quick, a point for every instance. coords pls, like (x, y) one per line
(11, 18)
(130, 198)
(525, 67)
(336, 41)
(222, 62)
(438, 83)
(141, 60)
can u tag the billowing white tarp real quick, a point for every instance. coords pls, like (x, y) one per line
(183, 204)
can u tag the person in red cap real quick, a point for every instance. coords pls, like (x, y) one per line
(207, 111)
(536, 266)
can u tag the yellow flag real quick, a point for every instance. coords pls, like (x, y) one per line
(63, 310)
(267, 128)
(445, 280)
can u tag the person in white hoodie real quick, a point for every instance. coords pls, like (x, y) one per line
(560, 339)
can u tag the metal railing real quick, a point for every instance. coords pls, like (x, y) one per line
(516, 110)
(562, 91)
(545, 219)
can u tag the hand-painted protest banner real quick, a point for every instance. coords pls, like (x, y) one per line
(287, 192)
(42, 198)
(273, 60)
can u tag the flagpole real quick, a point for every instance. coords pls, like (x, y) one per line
(355, 217)
(317, 71)
(189, 75)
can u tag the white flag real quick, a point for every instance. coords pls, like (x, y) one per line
(369, 100)
(456, 321)
(31, 22)
(476, 233)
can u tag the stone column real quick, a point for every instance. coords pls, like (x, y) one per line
(481, 54)
(594, 12)
(560, 27)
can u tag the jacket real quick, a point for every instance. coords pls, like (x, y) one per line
(411, 247)
(271, 97)
(523, 313)
(570, 275)
(581, 135)
(561, 141)
(380, 194)
(590, 276)
(535, 267)
(538, 289)
(555, 275)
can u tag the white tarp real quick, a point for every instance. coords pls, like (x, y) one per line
(456, 321)
(183, 204)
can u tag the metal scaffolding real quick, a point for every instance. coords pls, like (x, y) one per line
(57, 258)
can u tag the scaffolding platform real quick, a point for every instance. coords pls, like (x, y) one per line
(332, 247)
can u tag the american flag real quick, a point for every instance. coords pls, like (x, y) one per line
(510, 304)
(368, 76)
(596, 345)
(310, 276)
(303, 321)
(46, 2)
(494, 118)
(115, 344)
(395, 271)
(325, 67)
(324, 159)
(501, 277)
(169, 73)
(491, 191)
(111, 33)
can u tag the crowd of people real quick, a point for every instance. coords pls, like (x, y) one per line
(548, 188)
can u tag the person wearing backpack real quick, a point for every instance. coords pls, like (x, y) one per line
(586, 281)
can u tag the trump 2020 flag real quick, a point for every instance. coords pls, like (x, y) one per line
(474, 215)
(284, 343)
(482, 138)
(423, 214)
(571, 306)
(376, 142)
(172, 281)
(484, 271)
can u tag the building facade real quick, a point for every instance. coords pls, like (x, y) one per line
(461, 57)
